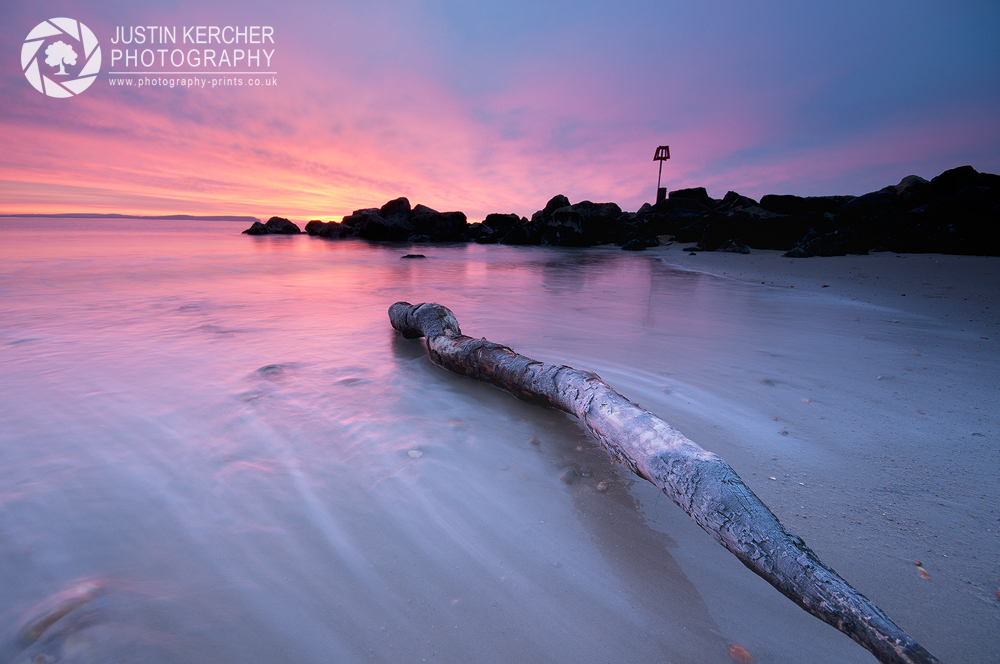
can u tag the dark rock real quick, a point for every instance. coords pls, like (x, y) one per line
(753, 226)
(802, 206)
(525, 233)
(556, 202)
(734, 247)
(638, 244)
(733, 201)
(840, 242)
(441, 226)
(328, 229)
(374, 227)
(501, 223)
(956, 212)
(412, 256)
(396, 211)
(274, 226)
(699, 194)
(581, 225)
(317, 227)
(358, 216)
(281, 226)
(953, 180)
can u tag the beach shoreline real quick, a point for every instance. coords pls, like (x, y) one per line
(958, 289)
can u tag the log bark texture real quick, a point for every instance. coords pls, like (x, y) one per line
(698, 481)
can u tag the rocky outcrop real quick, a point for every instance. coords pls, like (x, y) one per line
(274, 226)
(956, 212)
(396, 222)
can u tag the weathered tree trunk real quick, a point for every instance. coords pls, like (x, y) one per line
(701, 483)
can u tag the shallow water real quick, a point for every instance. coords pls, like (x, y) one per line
(226, 434)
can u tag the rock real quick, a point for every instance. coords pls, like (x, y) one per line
(953, 180)
(396, 211)
(328, 229)
(274, 226)
(636, 244)
(796, 252)
(440, 226)
(956, 212)
(315, 227)
(734, 247)
(412, 256)
(281, 226)
(358, 217)
(802, 206)
(556, 202)
(697, 194)
(839, 242)
(374, 227)
(753, 226)
(495, 227)
(525, 233)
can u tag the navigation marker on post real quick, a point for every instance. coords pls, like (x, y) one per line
(662, 154)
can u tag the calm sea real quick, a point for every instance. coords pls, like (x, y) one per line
(225, 435)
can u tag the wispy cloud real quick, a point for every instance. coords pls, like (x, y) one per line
(490, 107)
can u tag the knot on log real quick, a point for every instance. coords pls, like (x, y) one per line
(423, 320)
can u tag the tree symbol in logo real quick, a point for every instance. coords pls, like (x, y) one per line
(58, 43)
(58, 55)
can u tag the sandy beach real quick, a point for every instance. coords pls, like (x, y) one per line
(959, 290)
(915, 434)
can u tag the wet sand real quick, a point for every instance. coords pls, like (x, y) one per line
(962, 291)
(911, 429)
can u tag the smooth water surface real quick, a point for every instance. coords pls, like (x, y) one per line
(225, 434)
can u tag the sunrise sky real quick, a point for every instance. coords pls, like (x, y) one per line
(496, 106)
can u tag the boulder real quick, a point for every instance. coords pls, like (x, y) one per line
(699, 194)
(328, 229)
(440, 226)
(581, 225)
(734, 247)
(358, 216)
(802, 206)
(396, 211)
(556, 202)
(374, 227)
(494, 228)
(274, 226)
(638, 244)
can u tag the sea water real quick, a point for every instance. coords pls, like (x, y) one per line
(225, 435)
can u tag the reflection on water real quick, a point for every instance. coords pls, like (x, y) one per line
(226, 434)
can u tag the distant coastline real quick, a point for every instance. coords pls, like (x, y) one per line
(164, 217)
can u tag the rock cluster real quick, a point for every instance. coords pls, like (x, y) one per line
(956, 212)
(396, 221)
(274, 226)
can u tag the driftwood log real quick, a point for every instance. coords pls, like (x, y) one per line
(700, 482)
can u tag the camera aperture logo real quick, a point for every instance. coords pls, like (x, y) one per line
(60, 57)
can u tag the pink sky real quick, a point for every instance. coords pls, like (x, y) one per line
(490, 107)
